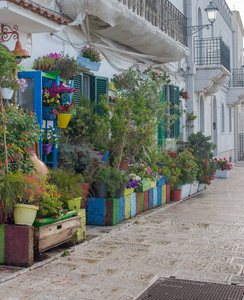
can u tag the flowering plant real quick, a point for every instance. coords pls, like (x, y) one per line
(64, 108)
(184, 94)
(223, 164)
(134, 181)
(67, 66)
(49, 136)
(91, 53)
(13, 83)
(141, 170)
(206, 170)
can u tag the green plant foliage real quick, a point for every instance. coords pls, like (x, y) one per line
(112, 176)
(68, 184)
(200, 144)
(206, 170)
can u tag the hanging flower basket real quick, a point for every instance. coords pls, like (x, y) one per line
(7, 93)
(47, 114)
(46, 148)
(63, 120)
(88, 64)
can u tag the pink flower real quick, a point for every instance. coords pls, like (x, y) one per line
(143, 165)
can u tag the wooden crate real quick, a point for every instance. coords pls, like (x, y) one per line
(52, 235)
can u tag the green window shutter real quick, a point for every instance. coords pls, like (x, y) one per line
(101, 88)
(161, 127)
(78, 84)
(175, 99)
(166, 98)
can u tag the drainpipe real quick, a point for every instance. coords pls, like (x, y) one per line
(235, 135)
(190, 65)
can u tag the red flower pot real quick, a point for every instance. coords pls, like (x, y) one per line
(85, 189)
(175, 195)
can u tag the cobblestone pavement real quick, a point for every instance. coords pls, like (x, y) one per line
(200, 238)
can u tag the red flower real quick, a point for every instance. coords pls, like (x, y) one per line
(188, 166)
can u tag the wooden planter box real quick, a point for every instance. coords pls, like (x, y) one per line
(53, 235)
(145, 185)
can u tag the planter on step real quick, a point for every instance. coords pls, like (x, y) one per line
(145, 185)
(25, 214)
(74, 204)
(194, 187)
(175, 195)
(46, 221)
(162, 181)
(201, 187)
(47, 114)
(221, 174)
(128, 191)
(52, 235)
(185, 190)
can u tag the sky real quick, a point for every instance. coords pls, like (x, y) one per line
(237, 5)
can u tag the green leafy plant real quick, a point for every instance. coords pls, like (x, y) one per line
(68, 184)
(21, 131)
(206, 170)
(114, 177)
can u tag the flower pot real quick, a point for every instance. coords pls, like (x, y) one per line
(25, 214)
(185, 190)
(88, 64)
(221, 174)
(162, 181)
(74, 204)
(47, 114)
(194, 187)
(120, 191)
(63, 120)
(128, 191)
(201, 186)
(100, 190)
(46, 148)
(7, 93)
(153, 184)
(145, 185)
(175, 195)
(66, 98)
(85, 189)
(41, 168)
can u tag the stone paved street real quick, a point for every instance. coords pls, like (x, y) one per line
(201, 238)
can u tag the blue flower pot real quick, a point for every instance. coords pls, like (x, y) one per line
(88, 64)
(47, 114)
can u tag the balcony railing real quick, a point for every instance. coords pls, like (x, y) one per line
(237, 78)
(162, 14)
(211, 51)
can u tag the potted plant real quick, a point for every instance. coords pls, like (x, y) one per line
(49, 138)
(68, 186)
(108, 181)
(90, 58)
(223, 167)
(206, 171)
(64, 64)
(10, 85)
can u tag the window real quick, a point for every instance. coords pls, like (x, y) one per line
(230, 119)
(223, 117)
(171, 94)
(92, 87)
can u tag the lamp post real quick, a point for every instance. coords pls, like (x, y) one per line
(211, 11)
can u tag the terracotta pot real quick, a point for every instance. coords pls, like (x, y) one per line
(85, 189)
(175, 195)
(41, 168)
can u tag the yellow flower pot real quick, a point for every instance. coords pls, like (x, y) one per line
(63, 120)
(25, 214)
(153, 184)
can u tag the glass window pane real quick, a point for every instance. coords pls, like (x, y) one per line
(26, 98)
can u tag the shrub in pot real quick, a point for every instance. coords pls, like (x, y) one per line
(110, 180)
(68, 184)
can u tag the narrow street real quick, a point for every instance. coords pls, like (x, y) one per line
(201, 238)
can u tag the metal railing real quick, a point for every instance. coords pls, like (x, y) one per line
(162, 14)
(237, 78)
(211, 51)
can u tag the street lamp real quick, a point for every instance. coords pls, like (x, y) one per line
(211, 11)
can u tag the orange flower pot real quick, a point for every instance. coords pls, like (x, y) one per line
(175, 195)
